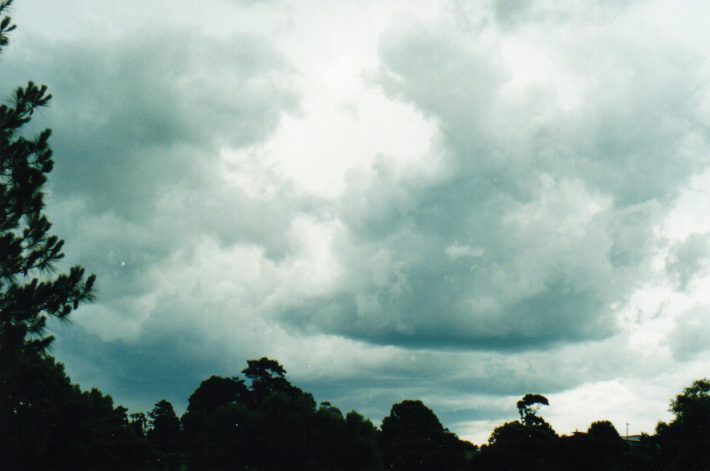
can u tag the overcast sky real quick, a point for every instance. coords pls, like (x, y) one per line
(453, 201)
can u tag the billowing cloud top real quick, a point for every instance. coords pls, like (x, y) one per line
(454, 201)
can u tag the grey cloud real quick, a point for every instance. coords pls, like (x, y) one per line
(509, 12)
(139, 124)
(139, 373)
(688, 259)
(142, 371)
(688, 339)
(477, 385)
(540, 220)
(559, 203)
(136, 116)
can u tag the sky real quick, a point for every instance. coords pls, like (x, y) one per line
(453, 201)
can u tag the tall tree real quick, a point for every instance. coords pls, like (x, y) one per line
(164, 429)
(600, 449)
(39, 408)
(360, 448)
(209, 429)
(268, 426)
(413, 439)
(528, 407)
(528, 444)
(267, 376)
(684, 441)
(164, 433)
(29, 291)
(53, 425)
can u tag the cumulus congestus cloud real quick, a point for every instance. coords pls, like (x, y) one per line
(559, 167)
(448, 200)
(140, 127)
(136, 116)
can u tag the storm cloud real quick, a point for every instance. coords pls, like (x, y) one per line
(455, 201)
(543, 218)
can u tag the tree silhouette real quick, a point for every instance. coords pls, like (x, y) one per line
(34, 391)
(217, 391)
(360, 449)
(268, 425)
(528, 407)
(413, 439)
(267, 376)
(56, 426)
(164, 432)
(514, 446)
(529, 444)
(684, 441)
(29, 292)
(600, 449)
(607, 446)
(139, 423)
(209, 422)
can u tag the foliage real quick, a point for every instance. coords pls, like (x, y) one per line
(45, 421)
(605, 439)
(267, 377)
(54, 425)
(29, 292)
(528, 444)
(516, 446)
(413, 439)
(528, 407)
(272, 425)
(229, 430)
(360, 445)
(683, 443)
(164, 433)
(211, 418)
(600, 449)
(215, 392)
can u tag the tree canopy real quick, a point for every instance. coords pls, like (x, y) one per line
(46, 422)
(30, 291)
(683, 442)
(528, 407)
(528, 444)
(413, 439)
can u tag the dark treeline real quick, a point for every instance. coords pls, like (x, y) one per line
(259, 421)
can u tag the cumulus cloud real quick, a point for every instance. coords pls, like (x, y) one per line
(134, 117)
(140, 125)
(505, 257)
(180, 235)
(558, 177)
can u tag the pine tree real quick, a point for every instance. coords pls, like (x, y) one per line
(35, 394)
(30, 290)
